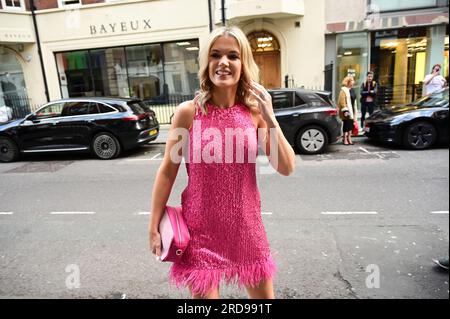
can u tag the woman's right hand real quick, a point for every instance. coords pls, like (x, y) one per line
(155, 243)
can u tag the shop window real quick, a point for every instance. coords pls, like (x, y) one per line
(398, 5)
(145, 71)
(74, 73)
(108, 68)
(399, 59)
(351, 59)
(180, 69)
(140, 71)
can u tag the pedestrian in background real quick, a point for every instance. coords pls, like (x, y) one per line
(221, 203)
(347, 109)
(434, 81)
(369, 91)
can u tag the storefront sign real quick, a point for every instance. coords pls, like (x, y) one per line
(118, 27)
(16, 36)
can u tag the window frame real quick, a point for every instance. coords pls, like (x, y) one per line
(61, 4)
(22, 7)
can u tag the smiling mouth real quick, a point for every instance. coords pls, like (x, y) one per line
(222, 73)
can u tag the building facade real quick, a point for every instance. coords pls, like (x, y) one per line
(398, 40)
(147, 48)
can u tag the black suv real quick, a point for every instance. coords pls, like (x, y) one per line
(309, 119)
(101, 125)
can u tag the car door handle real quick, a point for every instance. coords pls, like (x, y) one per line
(296, 114)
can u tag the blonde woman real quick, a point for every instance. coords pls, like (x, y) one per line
(221, 203)
(347, 109)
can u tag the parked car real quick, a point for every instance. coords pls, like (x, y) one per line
(309, 119)
(418, 125)
(101, 125)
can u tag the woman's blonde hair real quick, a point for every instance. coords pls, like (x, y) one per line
(250, 71)
(347, 80)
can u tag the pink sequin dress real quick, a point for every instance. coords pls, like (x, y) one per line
(222, 207)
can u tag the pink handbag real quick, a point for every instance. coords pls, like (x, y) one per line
(174, 234)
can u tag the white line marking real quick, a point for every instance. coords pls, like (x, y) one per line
(364, 150)
(143, 213)
(367, 152)
(439, 212)
(266, 213)
(72, 213)
(349, 213)
(6, 213)
(154, 157)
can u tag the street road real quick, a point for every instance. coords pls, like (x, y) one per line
(362, 221)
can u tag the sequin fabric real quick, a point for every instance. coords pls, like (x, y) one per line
(221, 205)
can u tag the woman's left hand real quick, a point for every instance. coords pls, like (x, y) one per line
(264, 102)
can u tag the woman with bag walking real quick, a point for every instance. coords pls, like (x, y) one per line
(347, 109)
(221, 203)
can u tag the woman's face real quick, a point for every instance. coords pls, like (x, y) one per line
(224, 66)
(350, 83)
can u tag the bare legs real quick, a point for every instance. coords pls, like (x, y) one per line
(347, 139)
(263, 291)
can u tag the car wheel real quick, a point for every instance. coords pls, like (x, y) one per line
(312, 140)
(420, 135)
(105, 146)
(9, 151)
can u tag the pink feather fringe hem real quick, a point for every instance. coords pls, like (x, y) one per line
(201, 281)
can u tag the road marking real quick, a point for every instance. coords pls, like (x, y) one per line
(349, 213)
(6, 213)
(364, 150)
(72, 213)
(266, 213)
(440, 212)
(154, 157)
(143, 213)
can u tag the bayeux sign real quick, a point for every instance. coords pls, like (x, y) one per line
(110, 28)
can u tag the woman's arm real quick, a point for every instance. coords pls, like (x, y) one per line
(168, 170)
(283, 161)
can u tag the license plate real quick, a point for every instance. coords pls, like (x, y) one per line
(153, 132)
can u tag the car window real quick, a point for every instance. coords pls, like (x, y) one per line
(435, 99)
(93, 108)
(136, 108)
(104, 108)
(315, 100)
(282, 100)
(75, 108)
(52, 110)
(299, 100)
